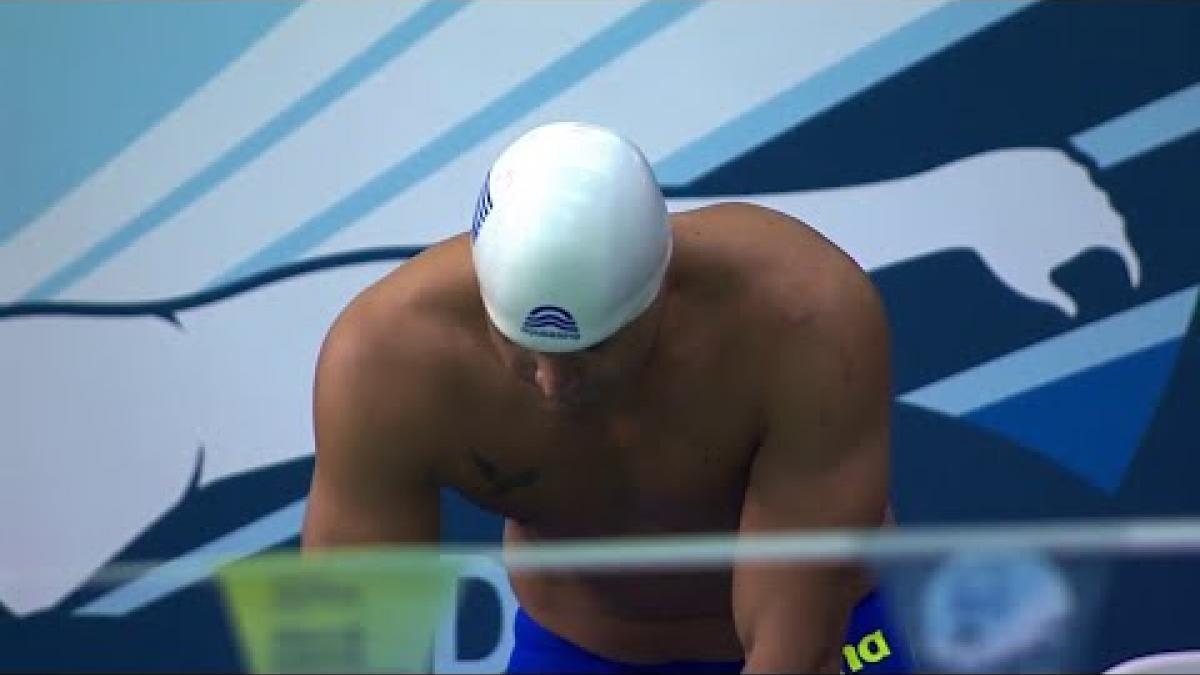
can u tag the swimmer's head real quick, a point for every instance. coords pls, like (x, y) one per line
(570, 239)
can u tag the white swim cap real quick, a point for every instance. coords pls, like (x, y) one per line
(570, 237)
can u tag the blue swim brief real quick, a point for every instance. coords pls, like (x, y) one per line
(872, 645)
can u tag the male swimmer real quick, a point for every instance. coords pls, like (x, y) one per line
(587, 365)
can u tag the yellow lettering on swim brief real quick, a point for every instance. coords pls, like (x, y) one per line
(873, 647)
(851, 657)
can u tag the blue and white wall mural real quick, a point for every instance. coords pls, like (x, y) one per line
(191, 191)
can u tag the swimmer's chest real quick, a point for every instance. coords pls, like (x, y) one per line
(644, 474)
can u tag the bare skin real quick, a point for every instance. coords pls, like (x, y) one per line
(752, 396)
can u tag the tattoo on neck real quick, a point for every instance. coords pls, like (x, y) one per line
(501, 483)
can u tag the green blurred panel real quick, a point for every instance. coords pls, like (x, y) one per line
(351, 612)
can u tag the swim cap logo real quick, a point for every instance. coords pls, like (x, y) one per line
(483, 206)
(550, 322)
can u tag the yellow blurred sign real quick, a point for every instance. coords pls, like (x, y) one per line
(345, 611)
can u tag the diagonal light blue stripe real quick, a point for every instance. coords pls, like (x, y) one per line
(1125, 333)
(394, 42)
(81, 81)
(1143, 129)
(878, 61)
(197, 565)
(627, 32)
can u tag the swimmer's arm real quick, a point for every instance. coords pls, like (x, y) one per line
(823, 463)
(372, 483)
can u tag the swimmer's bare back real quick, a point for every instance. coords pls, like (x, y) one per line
(764, 406)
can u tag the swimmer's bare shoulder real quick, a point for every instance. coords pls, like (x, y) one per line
(791, 281)
(383, 383)
(798, 296)
(823, 461)
(819, 327)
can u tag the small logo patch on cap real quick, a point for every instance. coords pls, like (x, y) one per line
(550, 322)
(483, 206)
